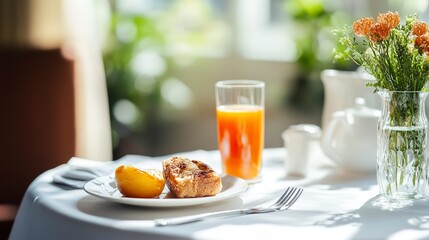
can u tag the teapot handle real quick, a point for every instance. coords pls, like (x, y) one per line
(329, 133)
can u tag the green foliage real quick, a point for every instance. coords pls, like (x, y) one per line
(305, 9)
(310, 19)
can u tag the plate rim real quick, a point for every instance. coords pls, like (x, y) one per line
(240, 187)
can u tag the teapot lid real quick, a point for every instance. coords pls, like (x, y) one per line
(362, 110)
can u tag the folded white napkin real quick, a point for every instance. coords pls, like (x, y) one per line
(80, 170)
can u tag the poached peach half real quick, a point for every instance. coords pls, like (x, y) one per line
(139, 183)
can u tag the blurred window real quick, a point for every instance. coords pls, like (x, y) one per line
(262, 30)
(255, 29)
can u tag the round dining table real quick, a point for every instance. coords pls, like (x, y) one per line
(334, 205)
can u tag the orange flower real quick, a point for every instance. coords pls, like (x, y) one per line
(363, 26)
(389, 19)
(419, 28)
(378, 32)
(422, 42)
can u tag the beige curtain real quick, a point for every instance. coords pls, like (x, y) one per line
(83, 39)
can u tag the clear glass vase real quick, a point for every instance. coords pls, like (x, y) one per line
(402, 145)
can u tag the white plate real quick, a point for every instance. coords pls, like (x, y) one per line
(105, 188)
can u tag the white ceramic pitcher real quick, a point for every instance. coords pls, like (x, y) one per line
(349, 120)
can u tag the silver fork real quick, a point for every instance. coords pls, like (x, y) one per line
(288, 198)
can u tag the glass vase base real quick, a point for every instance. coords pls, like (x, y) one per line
(402, 183)
(403, 196)
(397, 200)
(388, 203)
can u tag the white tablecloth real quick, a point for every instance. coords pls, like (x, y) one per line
(333, 206)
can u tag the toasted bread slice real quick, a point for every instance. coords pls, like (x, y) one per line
(190, 178)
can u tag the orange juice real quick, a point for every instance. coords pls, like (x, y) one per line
(241, 139)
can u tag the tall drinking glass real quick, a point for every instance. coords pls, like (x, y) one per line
(240, 122)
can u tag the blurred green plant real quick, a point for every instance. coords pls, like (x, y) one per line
(313, 22)
(143, 49)
(135, 71)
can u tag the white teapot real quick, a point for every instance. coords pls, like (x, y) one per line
(350, 138)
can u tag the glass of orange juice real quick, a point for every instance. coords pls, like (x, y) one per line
(240, 124)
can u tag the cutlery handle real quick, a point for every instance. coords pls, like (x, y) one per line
(195, 218)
